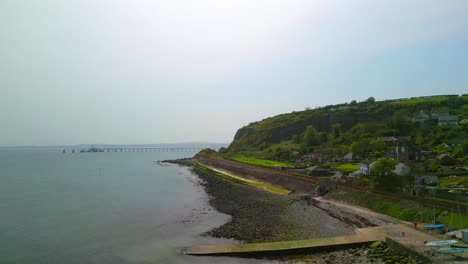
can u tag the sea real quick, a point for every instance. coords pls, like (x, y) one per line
(110, 207)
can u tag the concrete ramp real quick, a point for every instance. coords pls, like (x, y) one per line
(363, 235)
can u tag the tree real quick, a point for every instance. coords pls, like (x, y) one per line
(296, 139)
(311, 136)
(353, 102)
(384, 178)
(388, 183)
(401, 123)
(376, 147)
(383, 167)
(336, 130)
(370, 100)
(360, 148)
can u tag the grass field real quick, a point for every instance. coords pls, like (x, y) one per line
(347, 167)
(446, 182)
(262, 162)
(406, 210)
(459, 221)
(251, 183)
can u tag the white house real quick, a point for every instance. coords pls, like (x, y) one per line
(401, 169)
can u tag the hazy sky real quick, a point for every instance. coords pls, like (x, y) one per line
(113, 71)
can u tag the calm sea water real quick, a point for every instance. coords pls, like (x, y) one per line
(102, 208)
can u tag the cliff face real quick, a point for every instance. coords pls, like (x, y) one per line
(274, 130)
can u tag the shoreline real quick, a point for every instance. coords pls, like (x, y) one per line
(261, 216)
(296, 216)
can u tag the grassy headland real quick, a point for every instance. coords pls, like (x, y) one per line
(335, 130)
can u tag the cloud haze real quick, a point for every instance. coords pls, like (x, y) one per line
(110, 71)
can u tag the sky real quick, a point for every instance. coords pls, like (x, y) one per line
(135, 72)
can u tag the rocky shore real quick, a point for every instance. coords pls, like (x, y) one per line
(259, 216)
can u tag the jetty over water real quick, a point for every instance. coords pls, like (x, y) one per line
(399, 236)
(147, 149)
(143, 149)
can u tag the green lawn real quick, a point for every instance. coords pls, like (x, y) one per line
(262, 162)
(406, 210)
(459, 221)
(347, 167)
(251, 183)
(446, 182)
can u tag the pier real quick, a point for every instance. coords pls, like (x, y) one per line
(141, 149)
(149, 149)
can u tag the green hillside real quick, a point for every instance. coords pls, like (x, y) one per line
(338, 129)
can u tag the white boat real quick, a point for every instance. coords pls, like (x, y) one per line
(441, 243)
(456, 233)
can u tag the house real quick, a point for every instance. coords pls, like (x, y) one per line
(319, 156)
(445, 145)
(406, 150)
(421, 117)
(355, 174)
(427, 180)
(402, 149)
(317, 171)
(446, 160)
(464, 121)
(391, 154)
(401, 169)
(389, 141)
(364, 168)
(337, 177)
(448, 120)
(348, 157)
(439, 112)
(425, 155)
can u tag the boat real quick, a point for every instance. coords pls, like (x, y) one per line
(456, 233)
(436, 226)
(441, 243)
(452, 250)
(455, 246)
